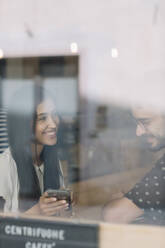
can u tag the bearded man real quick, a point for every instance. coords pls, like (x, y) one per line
(145, 202)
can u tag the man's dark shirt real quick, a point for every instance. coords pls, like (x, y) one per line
(149, 195)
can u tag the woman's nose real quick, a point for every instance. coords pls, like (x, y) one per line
(51, 122)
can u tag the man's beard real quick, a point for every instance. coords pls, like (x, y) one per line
(160, 142)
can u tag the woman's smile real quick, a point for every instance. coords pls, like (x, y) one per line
(50, 134)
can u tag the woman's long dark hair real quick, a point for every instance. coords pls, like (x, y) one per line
(21, 131)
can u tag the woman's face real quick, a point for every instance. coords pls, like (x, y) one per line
(47, 123)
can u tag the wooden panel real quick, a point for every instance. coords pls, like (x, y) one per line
(131, 236)
(101, 190)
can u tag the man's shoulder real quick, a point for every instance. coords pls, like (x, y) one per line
(160, 163)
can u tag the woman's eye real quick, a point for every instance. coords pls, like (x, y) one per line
(43, 118)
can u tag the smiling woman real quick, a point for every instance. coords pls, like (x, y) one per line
(30, 165)
(47, 123)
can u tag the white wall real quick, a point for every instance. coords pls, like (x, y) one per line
(135, 27)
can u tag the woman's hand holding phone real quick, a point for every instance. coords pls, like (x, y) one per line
(51, 205)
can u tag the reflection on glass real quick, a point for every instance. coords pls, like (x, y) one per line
(108, 165)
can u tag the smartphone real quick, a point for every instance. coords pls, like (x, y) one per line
(61, 194)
